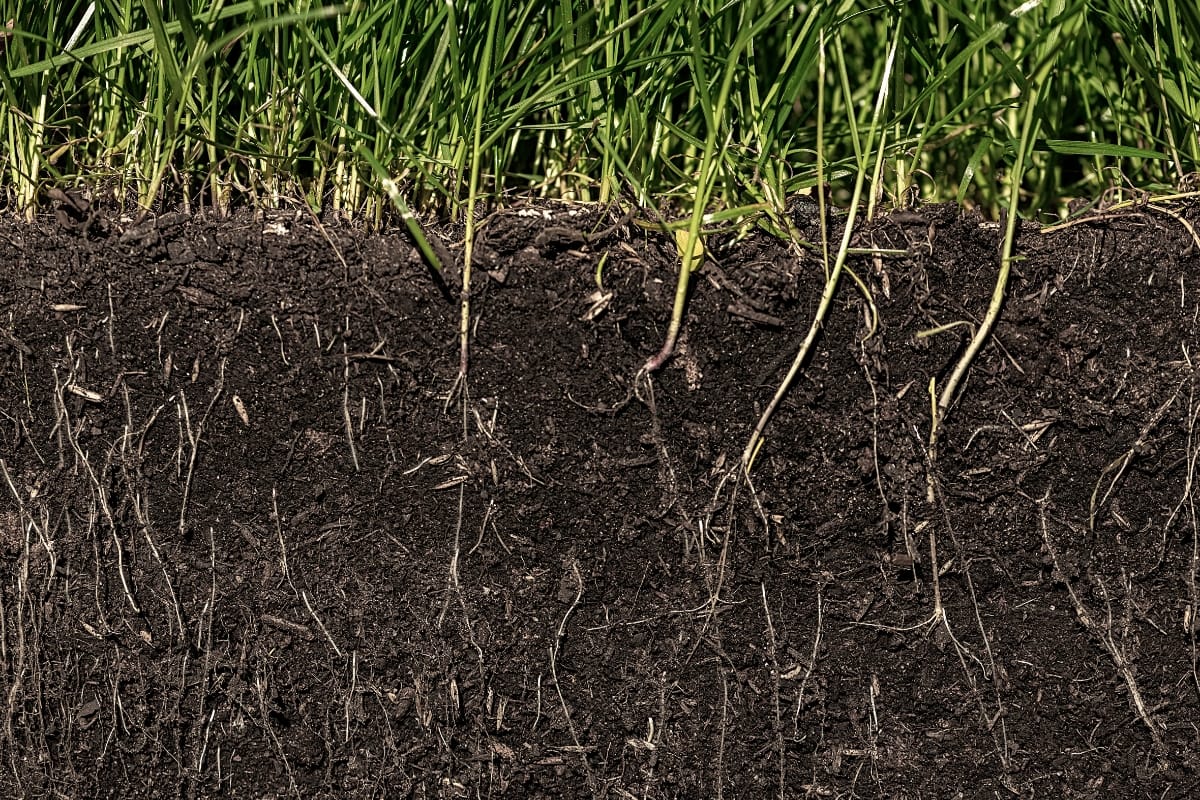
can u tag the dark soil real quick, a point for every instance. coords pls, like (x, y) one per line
(249, 551)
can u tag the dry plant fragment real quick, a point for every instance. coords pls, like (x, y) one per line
(87, 394)
(240, 408)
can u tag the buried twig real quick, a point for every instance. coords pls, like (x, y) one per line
(1104, 635)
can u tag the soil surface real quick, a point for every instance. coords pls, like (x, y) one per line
(258, 543)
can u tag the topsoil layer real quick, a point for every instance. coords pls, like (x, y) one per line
(258, 543)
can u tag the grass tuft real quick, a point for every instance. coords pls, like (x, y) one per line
(267, 102)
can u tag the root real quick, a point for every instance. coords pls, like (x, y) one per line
(991, 720)
(346, 403)
(1104, 635)
(812, 660)
(1188, 499)
(194, 441)
(777, 722)
(1118, 467)
(554, 650)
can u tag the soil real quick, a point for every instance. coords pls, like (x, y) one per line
(258, 543)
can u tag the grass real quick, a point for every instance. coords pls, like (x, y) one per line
(703, 106)
(832, 274)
